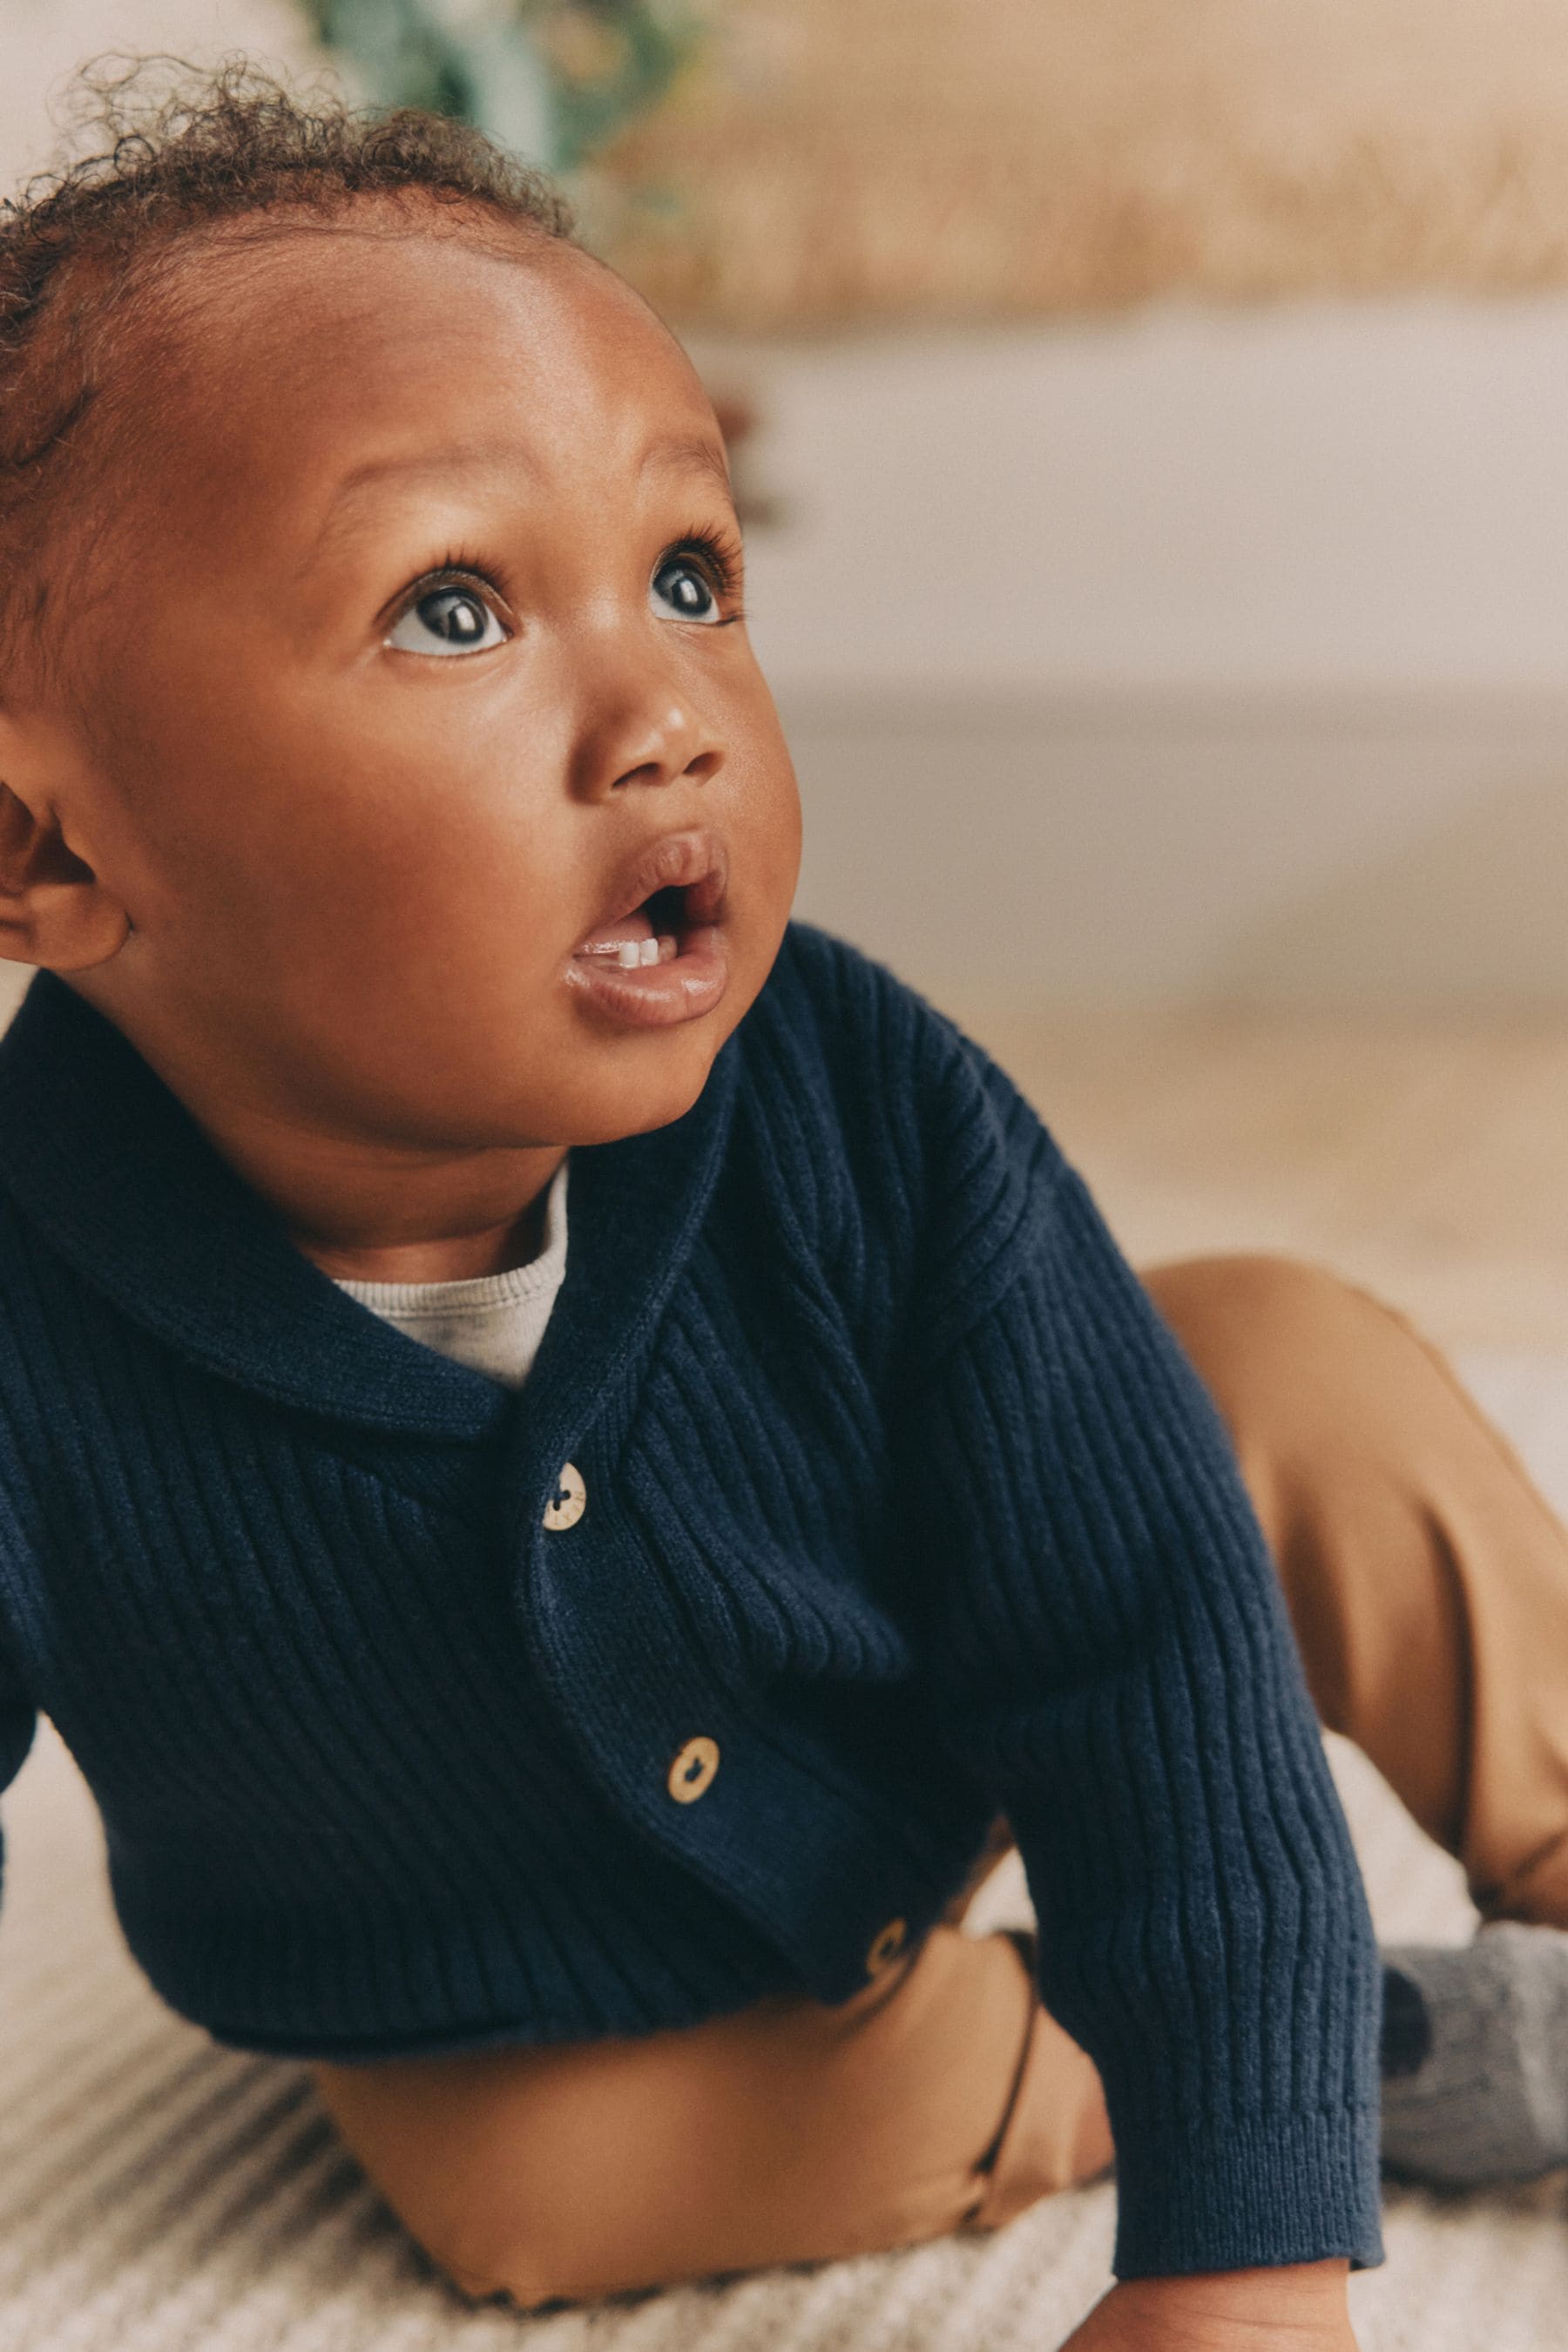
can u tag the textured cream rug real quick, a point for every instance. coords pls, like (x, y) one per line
(160, 2195)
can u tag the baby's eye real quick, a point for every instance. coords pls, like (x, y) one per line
(681, 587)
(446, 620)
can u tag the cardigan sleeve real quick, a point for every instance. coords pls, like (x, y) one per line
(1111, 1657)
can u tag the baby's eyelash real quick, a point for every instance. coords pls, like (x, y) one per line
(459, 565)
(456, 565)
(721, 552)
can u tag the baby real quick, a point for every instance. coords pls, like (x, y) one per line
(575, 1464)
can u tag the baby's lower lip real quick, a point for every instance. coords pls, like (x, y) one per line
(680, 987)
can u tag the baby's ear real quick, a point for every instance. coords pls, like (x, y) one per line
(53, 909)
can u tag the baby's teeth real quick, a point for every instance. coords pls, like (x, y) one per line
(629, 954)
(667, 950)
(650, 950)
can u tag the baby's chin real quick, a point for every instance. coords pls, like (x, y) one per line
(610, 1081)
(624, 1098)
(602, 1096)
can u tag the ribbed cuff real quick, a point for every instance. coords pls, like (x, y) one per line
(1260, 2192)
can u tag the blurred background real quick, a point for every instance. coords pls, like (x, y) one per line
(1152, 427)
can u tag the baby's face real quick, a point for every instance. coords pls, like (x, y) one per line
(430, 760)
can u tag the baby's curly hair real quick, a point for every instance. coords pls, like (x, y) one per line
(171, 152)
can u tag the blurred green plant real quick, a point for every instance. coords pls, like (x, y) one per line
(554, 80)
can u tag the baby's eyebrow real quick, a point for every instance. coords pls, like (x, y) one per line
(689, 453)
(676, 453)
(339, 517)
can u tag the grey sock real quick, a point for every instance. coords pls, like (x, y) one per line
(1474, 2057)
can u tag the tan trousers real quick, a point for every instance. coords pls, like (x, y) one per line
(1428, 1585)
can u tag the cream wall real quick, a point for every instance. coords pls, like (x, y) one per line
(1369, 494)
(1199, 654)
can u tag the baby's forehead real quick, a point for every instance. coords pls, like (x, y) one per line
(275, 353)
(339, 316)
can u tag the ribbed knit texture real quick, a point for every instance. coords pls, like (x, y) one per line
(898, 1490)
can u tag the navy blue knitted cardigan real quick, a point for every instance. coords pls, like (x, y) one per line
(898, 1491)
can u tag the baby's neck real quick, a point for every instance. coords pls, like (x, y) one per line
(446, 1257)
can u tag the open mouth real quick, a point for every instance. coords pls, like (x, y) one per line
(660, 956)
(651, 933)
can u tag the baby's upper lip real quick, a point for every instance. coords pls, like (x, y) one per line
(694, 859)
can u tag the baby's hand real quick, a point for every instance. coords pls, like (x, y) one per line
(1299, 2308)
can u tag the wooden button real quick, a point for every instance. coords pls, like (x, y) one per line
(693, 1770)
(565, 1505)
(886, 1946)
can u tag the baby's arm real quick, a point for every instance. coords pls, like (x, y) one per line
(1109, 1651)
